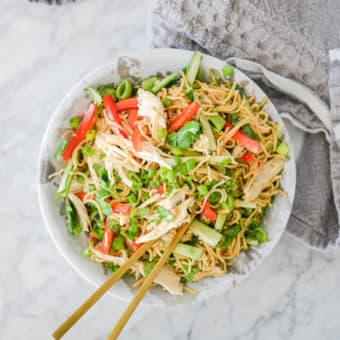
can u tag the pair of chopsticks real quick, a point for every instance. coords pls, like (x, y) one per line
(75, 316)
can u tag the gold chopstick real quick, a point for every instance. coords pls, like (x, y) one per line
(82, 309)
(146, 284)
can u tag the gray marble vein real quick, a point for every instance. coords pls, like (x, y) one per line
(44, 50)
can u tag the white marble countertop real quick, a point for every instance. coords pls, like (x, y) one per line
(294, 294)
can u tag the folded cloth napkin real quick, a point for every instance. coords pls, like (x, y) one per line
(291, 39)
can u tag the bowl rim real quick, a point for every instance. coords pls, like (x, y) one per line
(88, 75)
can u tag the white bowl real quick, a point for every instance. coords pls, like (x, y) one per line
(140, 65)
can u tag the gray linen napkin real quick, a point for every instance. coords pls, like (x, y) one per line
(291, 39)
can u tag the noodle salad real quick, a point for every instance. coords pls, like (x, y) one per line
(147, 158)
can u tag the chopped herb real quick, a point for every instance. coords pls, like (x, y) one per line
(74, 226)
(96, 97)
(103, 90)
(202, 190)
(189, 275)
(91, 135)
(162, 133)
(87, 252)
(193, 241)
(74, 122)
(98, 231)
(164, 213)
(185, 136)
(101, 155)
(113, 225)
(149, 266)
(103, 193)
(229, 235)
(87, 151)
(167, 102)
(106, 207)
(110, 266)
(118, 243)
(250, 132)
(143, 212)
(241, 90)
(233, 118)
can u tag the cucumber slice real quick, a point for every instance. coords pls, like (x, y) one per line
(164, 82)
(193, 67)
(220, 220)
(188, 251)
(282, 149)
(208, 235)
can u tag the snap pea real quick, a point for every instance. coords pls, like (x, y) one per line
(124, 89)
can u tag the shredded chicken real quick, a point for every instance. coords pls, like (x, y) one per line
(152, 110)
(263, 178)
(169, 280)
(177, 205)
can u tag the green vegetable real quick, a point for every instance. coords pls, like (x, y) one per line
(143, 212)
(87, 252)
(103, 90)
(227, 70)
(225, 162)
(65, 182)
(132, 230)
(110, 266)
(167, 102)
(74, 122)
(106, 207)
(217, 121)
(250, 132)
(202, 190)
(193, 67)
(183, 152)
(220, 221)
(188, 251)
(233, 118)
(206, 234)
(186, 135)
(103, 193)
(244, 204)
(231, 184)
(162, 133)
(215, 197)
(61, 149)
(96, 97)
(87, 151)
(124, 89)
(241, 90)
(102, 174)
(148, 83)
(190, 94)
(164, 82)
(118, 243)
(228, 205)
(91, 135)
(214, 77)
(98, 231)
(255, 234)
(187, 166)
(229, 235)
(208, 132)
(73, 224)
(113, 225)
(149, 266)
(164, 213)
(167, 175)
(282, 149)
(193, 241)
(189, 275)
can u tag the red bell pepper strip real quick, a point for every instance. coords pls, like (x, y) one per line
(112, 112)
(107, 239)
(185, 116)
(121, 208)
(137, 140)
(132, 117)
(80, 195)
(127, 104)
(247, 157)
(160, 189)
(85, 125)
(132, 244)
(241, 138)
(208, 212)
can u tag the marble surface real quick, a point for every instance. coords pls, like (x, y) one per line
(294, 293)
